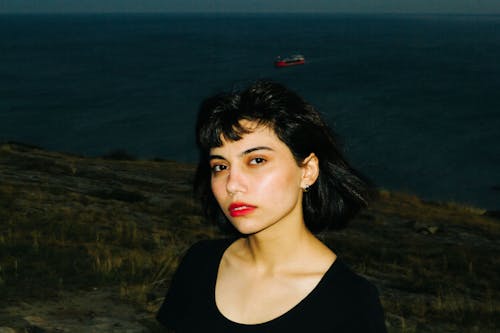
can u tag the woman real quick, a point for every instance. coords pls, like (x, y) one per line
(270, 170)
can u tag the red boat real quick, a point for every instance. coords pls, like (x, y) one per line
(296, 59)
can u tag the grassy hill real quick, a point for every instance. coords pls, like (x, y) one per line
(73, 225)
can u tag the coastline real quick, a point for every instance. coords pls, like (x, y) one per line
(113, 229)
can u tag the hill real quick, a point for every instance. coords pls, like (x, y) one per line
(89, 244)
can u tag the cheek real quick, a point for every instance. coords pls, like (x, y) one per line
(278, 185)
(217, 188)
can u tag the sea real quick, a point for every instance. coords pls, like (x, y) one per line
(414, 99)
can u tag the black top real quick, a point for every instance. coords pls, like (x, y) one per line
(341, 302)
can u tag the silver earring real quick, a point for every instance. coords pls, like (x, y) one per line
(306, 188)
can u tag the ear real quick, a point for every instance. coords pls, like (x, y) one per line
(310, 171)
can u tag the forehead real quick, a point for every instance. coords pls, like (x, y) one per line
(257, 136)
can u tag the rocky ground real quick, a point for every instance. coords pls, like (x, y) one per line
(89, 245)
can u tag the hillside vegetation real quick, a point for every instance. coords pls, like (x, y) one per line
(114, 228)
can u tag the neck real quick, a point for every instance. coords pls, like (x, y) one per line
(271, 251)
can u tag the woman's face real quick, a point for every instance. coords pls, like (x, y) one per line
(256, 181)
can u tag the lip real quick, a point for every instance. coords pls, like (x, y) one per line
(240, 209)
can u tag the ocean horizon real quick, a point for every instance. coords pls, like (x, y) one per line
(414, 98)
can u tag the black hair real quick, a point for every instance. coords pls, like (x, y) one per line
(338, 193)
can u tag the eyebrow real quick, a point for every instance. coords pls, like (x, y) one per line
(246, 152)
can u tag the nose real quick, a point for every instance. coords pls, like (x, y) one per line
(235, 182)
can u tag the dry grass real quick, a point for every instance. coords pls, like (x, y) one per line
(74, 247)
(436, 264)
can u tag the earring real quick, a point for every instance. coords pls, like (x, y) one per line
(306, 188)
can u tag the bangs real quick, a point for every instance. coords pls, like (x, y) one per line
(234, 131)
(223, 121)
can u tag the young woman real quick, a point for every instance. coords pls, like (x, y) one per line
(271, 171)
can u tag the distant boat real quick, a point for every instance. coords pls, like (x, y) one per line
(292, 60)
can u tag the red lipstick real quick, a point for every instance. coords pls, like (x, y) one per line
(240, 209)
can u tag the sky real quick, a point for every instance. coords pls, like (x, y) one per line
(252, 6)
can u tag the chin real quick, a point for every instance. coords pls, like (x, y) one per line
(246, 231)
(246, 228)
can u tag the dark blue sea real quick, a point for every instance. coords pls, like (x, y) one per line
(415, 98)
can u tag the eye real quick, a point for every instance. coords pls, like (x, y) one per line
(218, 168)
(257, 160)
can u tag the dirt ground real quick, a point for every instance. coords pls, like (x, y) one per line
(77, 312)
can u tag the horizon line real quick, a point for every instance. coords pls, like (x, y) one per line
(457, 13)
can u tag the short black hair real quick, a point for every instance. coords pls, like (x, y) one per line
(338, 193)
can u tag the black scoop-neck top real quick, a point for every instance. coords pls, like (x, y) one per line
(341, 302)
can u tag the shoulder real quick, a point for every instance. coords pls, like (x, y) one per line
(356, 299)
(351, 288)
(204, 252)
(343, 277)
(208, 247)
(187, 287)
(211, 244)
